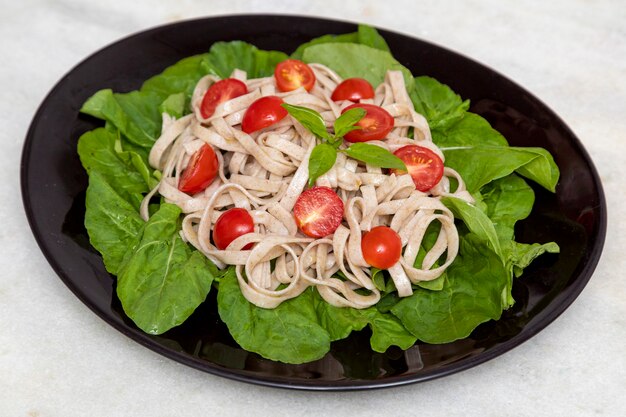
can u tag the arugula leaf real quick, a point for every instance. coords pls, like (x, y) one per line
(347, 121)
(472, 294)
(308, 118)
(289, 333)
(322, 159)
(125, 171)
(224, 57)
(161, 280)
(374, 155)
(353, 60)
(437, 102)
(112, 223)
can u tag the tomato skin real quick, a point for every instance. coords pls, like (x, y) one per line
(292, 74)
(200, 172)
(262, 113)
(353, 89)
(220, 92)
(230, 225)
(318, 212)
(425, 166)
(376, 124)
(381, 247)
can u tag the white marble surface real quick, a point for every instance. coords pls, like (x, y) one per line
(57, 358)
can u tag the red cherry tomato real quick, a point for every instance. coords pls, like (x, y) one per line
(220, 92)
(292, 74)
(230, 225)
(376, 124)
(353, 89)
(381, 247)
(425, 166)
(200, 172)
(262, 113)
(318, 212)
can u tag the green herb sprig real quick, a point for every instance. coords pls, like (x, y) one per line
(324, 154)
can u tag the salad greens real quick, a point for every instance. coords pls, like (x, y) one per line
(161, 280)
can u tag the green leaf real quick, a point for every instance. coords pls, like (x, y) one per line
(224, 57)
(374, 155)
(346, 122)
(387, 330)
(125, 171)
(135, 114)
(161, 280)
(365, 35)
(437, 102)
(289, 333)
(479, 165)
(507, 200)
(181, 77)
(476, 221)
(522, 254)
(174, 105)
(322, 159)
(472, 294)
(353, 60)
(471, 130)
(112, 223)
(308, 118)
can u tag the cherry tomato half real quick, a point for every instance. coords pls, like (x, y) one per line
(425, 166)
(318, 212)
(200, 172)
(353, 89)
(381, 247)
(376, 124)
(262, 113)
(220, 92)
(230, 225)
(292, 74)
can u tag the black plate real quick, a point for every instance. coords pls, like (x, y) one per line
(54, 183)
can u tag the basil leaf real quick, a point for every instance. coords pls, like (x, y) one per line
(322, 159)
(346, 122)
(308, 118)
(375, 155)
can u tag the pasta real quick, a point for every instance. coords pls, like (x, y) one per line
(265, 172)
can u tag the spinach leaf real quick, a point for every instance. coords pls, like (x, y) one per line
(224, 57)
(441, 106)
(174, 105)
(112, 223)
(387, 330)
(365, 35)
(472, 294)
(161, 280)
(479, 165)
(181, 77)
(476, 221)
(353, 60)
(522, 254)
(289, 333)
(469, 131)
(124, 171)
(135, 114)
(507, 200)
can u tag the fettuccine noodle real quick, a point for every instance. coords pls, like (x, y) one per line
(265, 172)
